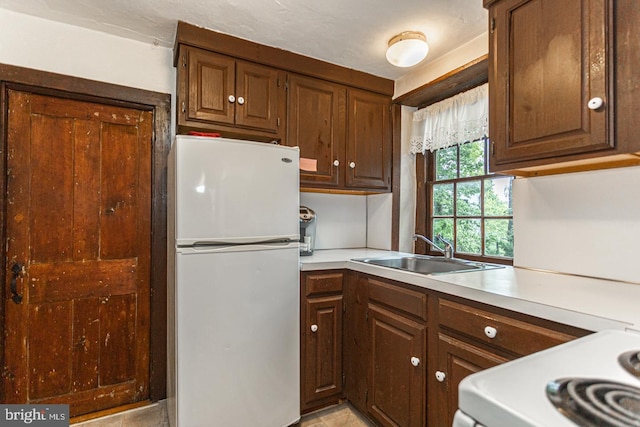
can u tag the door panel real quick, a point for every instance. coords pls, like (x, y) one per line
(78, 223)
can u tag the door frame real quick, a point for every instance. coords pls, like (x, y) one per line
(52, 84)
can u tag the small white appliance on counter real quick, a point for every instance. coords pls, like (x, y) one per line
(588, 382)
(233, 316)
(307, 231)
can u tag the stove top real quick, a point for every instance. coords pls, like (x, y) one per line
(596, 403)
(532, 391)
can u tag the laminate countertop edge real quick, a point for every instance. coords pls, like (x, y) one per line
(588, 303)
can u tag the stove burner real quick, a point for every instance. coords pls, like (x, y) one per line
(631, 362)
(596, 403)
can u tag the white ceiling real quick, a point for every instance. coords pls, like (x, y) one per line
(351, 33)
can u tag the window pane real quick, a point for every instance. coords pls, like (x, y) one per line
(472, 159)
(468, 237)
(444, 228)
(498, 237)
(443, 199)
(468, 199)
(447, 163)
(497, 196)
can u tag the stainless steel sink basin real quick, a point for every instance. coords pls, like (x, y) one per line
(424, 264)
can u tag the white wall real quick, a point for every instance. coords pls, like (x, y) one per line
(46, 45)
(585, 223)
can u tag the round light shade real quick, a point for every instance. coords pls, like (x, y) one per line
(407, 49)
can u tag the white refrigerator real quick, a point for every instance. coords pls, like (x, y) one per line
(233, 295)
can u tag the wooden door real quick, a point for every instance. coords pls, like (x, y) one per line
(397, 382)
(316, 124)
(78, 253)
(323, 358)
(368, 141)
(257, 97)
(549, 59)
(209, 84)
(457, 360)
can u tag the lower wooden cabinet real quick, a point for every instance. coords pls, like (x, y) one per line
(397, 363)
(321, 339)
(456, 360)
(404, 349)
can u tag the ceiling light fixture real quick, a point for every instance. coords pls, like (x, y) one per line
(407, 49)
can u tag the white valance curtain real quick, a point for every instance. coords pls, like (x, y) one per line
(461, 118)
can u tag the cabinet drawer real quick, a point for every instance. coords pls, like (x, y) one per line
(515, 336)
(323, 283)
(405, 300)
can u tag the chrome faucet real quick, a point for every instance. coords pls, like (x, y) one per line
(448, 247)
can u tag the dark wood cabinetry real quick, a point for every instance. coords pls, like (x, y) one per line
(368, 144)
(397, 357)
(553, 74)
(321, 338)
(221, 93)
(345, 130)
(339, 117)
(316, 123)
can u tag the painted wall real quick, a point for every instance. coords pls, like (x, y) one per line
(585, 223)
(46, 45)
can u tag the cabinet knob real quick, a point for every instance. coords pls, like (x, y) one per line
(440, 376)
(415, 361)
(490, 332)
(232, 99)
(595, 103)
(314, 328)
(336, 163)
(352, 165)
(240, 100)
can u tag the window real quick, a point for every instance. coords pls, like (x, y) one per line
(468, 206)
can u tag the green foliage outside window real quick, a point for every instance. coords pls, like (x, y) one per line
(470, 207)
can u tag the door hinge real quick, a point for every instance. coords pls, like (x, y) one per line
(184, 107)
(492, 26)
(184, 61)
(278, 122)
(366, 314)
(493, 148)
(366, 396)
(344, 380)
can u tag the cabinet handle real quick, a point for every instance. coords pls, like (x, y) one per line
(232, 99)
(490, 332)
(415, 361)
(240, 100)
(595, 103)
(352, 165)
(314, 328)
(336, 163)
(440, 376)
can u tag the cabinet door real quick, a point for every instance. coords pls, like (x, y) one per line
(456, 360)
(323, 349)
(397, 383)
(210, 81)
(316, 124)
(549, 59)
(257, 96)
(368, 141)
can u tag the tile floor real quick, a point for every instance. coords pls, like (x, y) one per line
(155, 415)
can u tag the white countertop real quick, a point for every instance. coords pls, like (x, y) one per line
(588, 303)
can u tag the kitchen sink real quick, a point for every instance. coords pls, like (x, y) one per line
(424, 264)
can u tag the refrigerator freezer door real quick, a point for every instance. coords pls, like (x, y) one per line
(238, 337)
(233, 191)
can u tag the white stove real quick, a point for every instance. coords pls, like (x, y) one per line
(581, 383)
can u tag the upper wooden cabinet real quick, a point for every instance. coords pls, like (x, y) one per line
(316, 123)
(368, 141)
(553, 73)
(221, 93)
(240, 89)
(345, 130)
